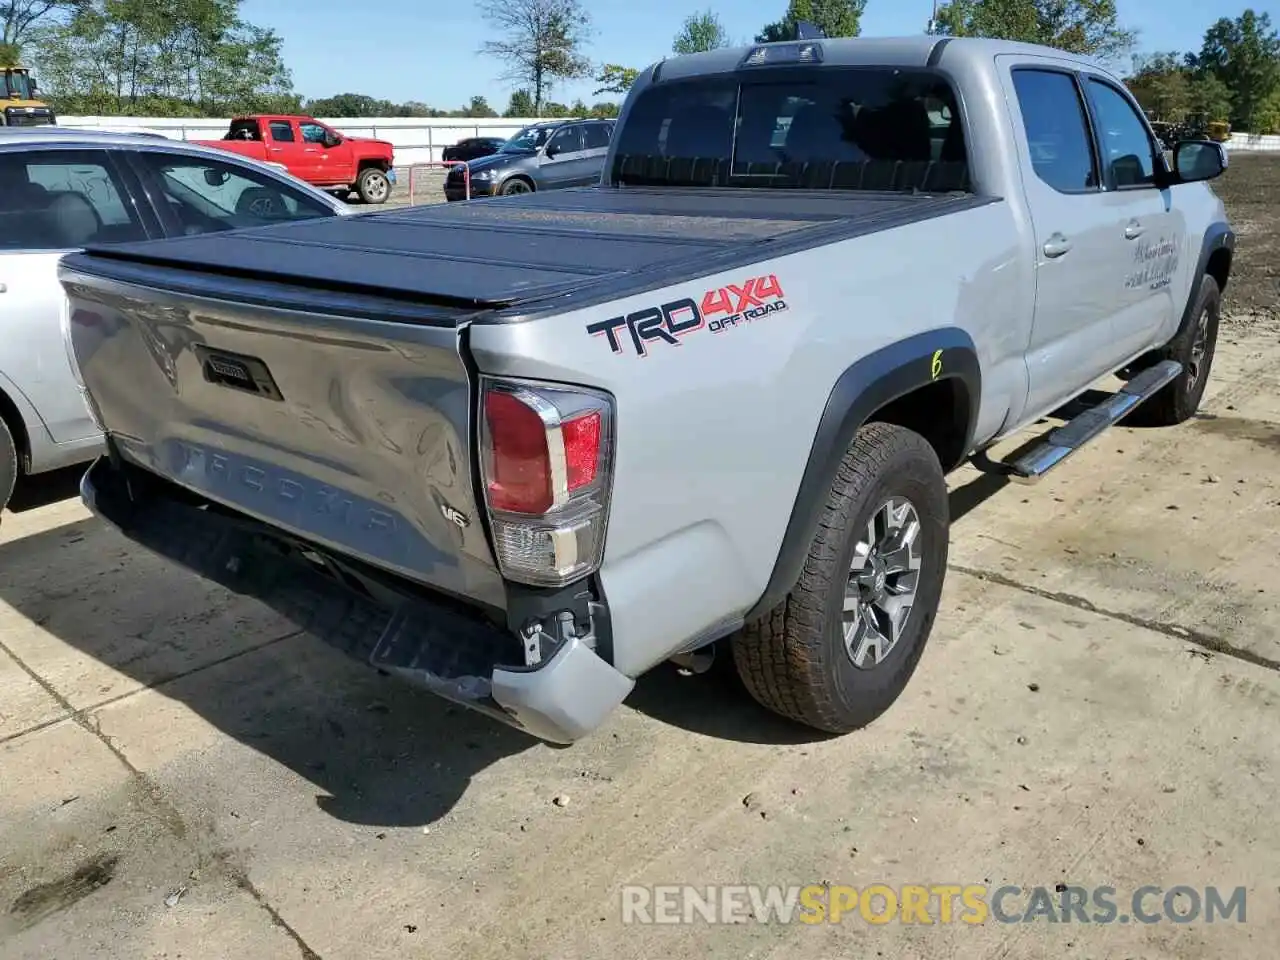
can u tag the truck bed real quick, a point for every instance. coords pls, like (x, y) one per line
(590, 243)
(310, 375)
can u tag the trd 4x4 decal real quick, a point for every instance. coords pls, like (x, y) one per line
(724, 308)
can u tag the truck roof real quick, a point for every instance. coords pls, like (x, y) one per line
(272, 116)
(912, 51)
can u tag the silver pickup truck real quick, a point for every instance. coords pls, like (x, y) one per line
(520, 451)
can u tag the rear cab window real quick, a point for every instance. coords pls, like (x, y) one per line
(832, 128)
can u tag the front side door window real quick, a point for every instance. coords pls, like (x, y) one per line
(205, 195)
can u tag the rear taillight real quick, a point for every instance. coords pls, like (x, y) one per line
(547, 465)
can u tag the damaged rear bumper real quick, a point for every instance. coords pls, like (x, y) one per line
(430, 642)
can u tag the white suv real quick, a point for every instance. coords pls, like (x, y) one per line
(61, 189)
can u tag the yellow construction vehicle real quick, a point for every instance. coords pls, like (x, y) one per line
(20, 105)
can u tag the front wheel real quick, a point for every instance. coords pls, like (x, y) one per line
(841, 648)
(515, 186)
(373, 186)
(1194, 347)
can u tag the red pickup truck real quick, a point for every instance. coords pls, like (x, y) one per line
(315, 153)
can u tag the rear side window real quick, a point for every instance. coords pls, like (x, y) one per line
(1126, 148)
(859, 129)
(281, 131)
(596, 136)
(61, 200)
(566, 140)
(1057, 129)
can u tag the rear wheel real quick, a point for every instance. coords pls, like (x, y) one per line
(8, 464)
(842, 647)
(373, 185)
(1194, 347)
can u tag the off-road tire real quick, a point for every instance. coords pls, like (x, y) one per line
(8, 464)
(794, 660)
(1180, 399)
(367, 185)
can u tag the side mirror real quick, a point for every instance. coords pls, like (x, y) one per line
(215, 178)
(332, 139)
(551, 151)
(1198, 160)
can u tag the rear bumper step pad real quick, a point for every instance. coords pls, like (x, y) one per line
(429, 645)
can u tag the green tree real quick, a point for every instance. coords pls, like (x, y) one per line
(1244, 54)
(1210, 97)
(165, 58)
(521, 105)
(604, 109)
(351, 105)
(479, 108)
(836, 18)
(1161, 83)
(614, 78)
(700, 32)
(1267, 116)
(19, 19)
(541, 42)
(1089, 27)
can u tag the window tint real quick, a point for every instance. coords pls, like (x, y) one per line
(596, 136)
(206, 196)
(312, 132)
(282, 131)
(61, 200)
(869, 129)
(1126, 147)
(567, 140)
(244, 130)
(1057, 129)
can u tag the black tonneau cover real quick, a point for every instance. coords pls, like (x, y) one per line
(496, 253)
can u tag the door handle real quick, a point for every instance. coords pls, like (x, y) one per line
(1134, 230)
(1056, 246)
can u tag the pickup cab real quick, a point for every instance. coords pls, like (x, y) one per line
(521, 453)
(316, 153)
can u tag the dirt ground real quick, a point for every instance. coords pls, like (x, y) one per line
(184, 774)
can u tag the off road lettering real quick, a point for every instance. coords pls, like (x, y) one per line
(754, 298)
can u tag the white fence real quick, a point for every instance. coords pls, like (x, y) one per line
(416, 140)
(419, 140)
(1249, 141)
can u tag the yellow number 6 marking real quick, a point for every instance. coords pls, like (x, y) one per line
(936, 367)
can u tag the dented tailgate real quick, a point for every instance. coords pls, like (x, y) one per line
(348, 430)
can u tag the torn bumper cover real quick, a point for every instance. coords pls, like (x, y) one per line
(432, 643)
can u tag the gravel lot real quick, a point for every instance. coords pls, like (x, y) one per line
(183, 774)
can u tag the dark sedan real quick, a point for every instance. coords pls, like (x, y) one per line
(473, 148)
(545, 156)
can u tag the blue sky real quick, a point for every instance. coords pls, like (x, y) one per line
(411, 50)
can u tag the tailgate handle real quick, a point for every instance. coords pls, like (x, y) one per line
(237, 371)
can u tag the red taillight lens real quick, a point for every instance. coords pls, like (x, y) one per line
(520, 463)
(582, 449)
(547, 466)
